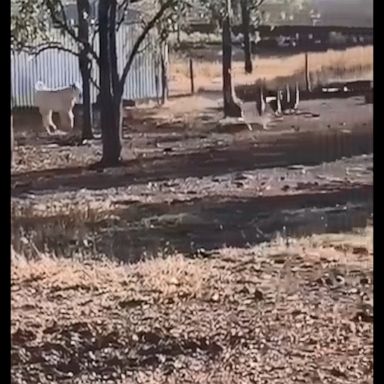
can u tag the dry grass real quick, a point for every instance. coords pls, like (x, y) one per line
(352, 63)
(273, 313)
(81, 210)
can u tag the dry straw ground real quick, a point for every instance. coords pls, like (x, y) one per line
(291, 311)
(297, 311)
(352, 63)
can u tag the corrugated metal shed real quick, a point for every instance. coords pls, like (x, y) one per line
(58, 68)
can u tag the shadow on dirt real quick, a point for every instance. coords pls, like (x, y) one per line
(196, 226)
(304, 149)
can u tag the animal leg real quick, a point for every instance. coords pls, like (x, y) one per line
(50, 122)
(71, 119)
(264, 125)
(63, 120)
(46, 119)
(67, 120)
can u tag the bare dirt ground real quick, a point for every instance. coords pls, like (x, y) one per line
(293, 311)
(191, 183)
(203, 298)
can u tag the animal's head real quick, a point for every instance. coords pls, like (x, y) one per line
(76, 88)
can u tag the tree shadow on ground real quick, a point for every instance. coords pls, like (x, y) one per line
(140, 230)
(305, 149)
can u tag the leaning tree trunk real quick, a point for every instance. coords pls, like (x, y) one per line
(231, 108)
(83, 9)
(247, 44)
(110, 116)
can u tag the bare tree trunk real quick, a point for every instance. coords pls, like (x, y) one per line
(112, 49)
(178, 28)
(116, 91)
(306, 70)
(112, 86)
(247, 43)
(164, 72)
(231, 108)
(109, 113)
(12, 139)
(86, 131)
(112, 138)
(83, 8)
(191, 76)
(236, 8)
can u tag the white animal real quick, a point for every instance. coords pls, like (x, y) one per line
(286, 101)
(265, 113)
(279, 110)
(275, 103)
(297, 98)
(61, 100)
(290, 103)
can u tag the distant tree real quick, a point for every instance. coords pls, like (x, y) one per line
(249, 11)
(249, 14)
(165, 27)
(231, 106)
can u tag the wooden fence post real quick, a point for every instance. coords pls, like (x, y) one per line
(307, 78)
(191, 76)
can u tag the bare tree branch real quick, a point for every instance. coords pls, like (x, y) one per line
(95, 32)
(37, 50)
(112, 42)
(139, 51)
(122, 8)
(256, 4)
(69, 29)
(140, 39)
(63, 24)
(94, 83)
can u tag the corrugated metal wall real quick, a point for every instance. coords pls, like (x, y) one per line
(58, 68)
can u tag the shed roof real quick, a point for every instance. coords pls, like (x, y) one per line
(343, 13)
